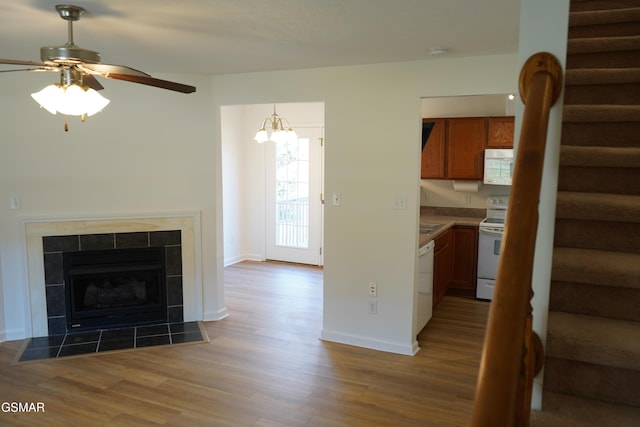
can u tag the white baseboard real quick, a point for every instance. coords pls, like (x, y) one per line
(239, 258)
(359, 341)
(216, 315)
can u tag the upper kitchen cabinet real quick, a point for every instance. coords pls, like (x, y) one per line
(500, 132)
(466, 139)
(453, 148)
(433, 149)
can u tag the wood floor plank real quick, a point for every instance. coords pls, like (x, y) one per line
(265, 366)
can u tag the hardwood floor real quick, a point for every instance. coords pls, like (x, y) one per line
(264, 366)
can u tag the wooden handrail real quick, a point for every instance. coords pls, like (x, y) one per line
(513, 353)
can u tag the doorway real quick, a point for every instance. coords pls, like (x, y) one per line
(260, 222)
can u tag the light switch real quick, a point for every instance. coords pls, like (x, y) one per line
(399, 201)
(336, 199)
(15, 203)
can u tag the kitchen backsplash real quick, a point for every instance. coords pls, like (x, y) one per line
(440, 193)
(444, 211)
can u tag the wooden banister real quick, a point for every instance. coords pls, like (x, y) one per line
(513, 353)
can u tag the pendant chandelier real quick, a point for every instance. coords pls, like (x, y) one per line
(276, 127)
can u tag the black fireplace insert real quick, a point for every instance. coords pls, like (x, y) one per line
(115, 287)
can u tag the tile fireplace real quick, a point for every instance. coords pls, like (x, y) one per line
(99, 281)
(50, 241)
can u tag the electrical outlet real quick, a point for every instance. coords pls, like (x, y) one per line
(467, 199)
(373, 307)
(373, 289)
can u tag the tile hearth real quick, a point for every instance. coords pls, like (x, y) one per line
(80, 343)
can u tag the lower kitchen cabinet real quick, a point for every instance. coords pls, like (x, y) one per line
(442, 265)
(463, 272)
(455, 262)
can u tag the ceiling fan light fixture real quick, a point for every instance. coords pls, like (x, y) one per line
(70, 100)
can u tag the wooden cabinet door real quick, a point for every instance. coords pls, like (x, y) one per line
(442, 258)
(466, 139)
(432, 165)
(465, 259)
(500, 132)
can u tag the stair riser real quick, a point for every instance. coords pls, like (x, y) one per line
(600, 234)
(605, 30)
(585, 5)
(615, 94)
(603, 134)
(621, 59)
(599, 180)
(580, 298)
(613, 385)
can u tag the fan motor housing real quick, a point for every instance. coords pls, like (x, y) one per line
(68, 54)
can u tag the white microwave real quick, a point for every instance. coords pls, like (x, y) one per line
(498, 166)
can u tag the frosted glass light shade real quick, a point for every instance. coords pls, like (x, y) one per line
(72, 100)
(261, 136)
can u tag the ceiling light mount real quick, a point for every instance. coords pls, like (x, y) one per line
(69, 12)
(438, 51)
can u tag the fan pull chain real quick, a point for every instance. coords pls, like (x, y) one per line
(66, 125)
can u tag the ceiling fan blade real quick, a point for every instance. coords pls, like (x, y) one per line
(19, 62)
(25, 69)
(106, 69)
(151, 81)
(92, 82)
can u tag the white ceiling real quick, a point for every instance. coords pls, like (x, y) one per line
(232, 36)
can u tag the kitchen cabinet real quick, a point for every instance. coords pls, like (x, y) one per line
(465, 148)
(500, 132)
(464, 261)
(433, 152)
(454, 148)
(442, 265)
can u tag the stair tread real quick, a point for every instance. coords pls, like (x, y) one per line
(598, 206)
(601, 113)
(597, 17)
(590, 339)
(595, 156)
(603, 44)
(592, 266)
(595, 76)
(561, 410)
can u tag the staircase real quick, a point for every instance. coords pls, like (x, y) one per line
(592, 366)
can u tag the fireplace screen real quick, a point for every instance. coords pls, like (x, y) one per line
(116, 287)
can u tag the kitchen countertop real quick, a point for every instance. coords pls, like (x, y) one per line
(447, 222)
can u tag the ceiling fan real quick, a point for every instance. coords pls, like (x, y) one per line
(77, 68)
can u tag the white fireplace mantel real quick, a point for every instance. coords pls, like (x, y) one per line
(187, 222)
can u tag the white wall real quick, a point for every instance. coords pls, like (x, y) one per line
(544, 28)
(372, 154)
(149, 151)
(233, 183)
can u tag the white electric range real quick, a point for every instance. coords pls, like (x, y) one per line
(490, 233)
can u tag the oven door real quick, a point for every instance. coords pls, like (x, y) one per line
(489, 243)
